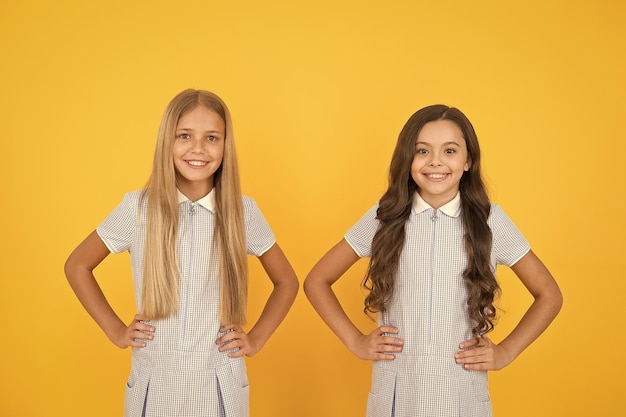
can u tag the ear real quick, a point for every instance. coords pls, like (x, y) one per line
(467, 166)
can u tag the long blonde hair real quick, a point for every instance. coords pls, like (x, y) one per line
(160, 267)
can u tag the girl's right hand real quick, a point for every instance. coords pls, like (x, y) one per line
(136, 334)
(376, 346)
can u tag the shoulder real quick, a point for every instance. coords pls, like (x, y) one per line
(131, 205)
(250, 208)
(372, 212)
(133, 199)
(367, 225)
(259, 234)
(361, 234)
(117, 230)
(509, 244)
(499, 221)
(371, 215)
(249, 204)
(496, 212)
(130, 199)
(248, 201)
(134, 195)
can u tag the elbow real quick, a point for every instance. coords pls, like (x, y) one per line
(72, 272)
(308, 286)
(558, 301)
(550, 301)
(553, 301)
(295, 286)
(68, 269)
(316, 284)
(290, 286)
(73, 269)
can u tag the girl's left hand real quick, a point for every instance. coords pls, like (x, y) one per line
(481, 354)
(236, 338)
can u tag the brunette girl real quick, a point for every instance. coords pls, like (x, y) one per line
(434, 240)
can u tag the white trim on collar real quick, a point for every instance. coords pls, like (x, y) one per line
(208, 201)
(452, 208)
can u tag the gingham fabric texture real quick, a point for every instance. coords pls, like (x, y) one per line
(429, 308)
(180, 372)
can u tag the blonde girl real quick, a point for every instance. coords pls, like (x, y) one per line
(434, 240)
(188, 233)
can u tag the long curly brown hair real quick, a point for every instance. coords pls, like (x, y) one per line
(394, 210)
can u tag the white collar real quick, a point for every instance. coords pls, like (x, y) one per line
(452, 208)
(208, 201)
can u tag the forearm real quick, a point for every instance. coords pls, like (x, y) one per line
(318, 289)
(536, 319)
(276, 308)
(79, 272)
(325, 302)
(482, 354)
(546, 305)
(93, 300)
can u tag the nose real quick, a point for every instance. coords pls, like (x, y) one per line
(434, 161)
(197, 144)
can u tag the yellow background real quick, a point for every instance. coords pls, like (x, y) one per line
(319, 91)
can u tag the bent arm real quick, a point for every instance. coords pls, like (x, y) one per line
(482, 354)
(545, 307)
(285, 282)
(79, 272)
(317, 288)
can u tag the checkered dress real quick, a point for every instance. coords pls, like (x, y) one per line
(180, 372)
(429, 308)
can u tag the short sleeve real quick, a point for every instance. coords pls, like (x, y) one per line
(509, 245)
(360, 236)
(259, 235)
(118, 229)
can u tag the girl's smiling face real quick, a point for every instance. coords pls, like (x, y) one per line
(198, 150)
(440, 160)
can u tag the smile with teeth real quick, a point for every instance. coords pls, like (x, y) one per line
(436, 176)
(197, 163)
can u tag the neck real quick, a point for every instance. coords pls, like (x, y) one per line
(195, 192)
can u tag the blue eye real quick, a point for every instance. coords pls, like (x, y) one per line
(212, 138)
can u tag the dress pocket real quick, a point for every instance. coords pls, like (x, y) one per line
(136, 390)
(234, 388)
(481, 386)
(482, 400)
(380, 400)
(240, 373)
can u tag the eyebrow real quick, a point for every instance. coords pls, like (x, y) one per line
(188, 129)
(445, 144)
